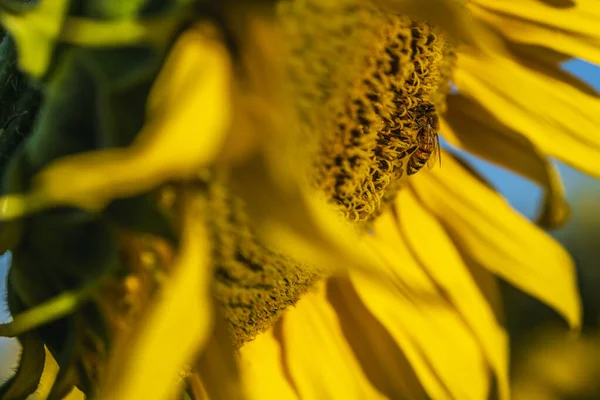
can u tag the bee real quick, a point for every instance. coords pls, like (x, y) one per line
(427, 140)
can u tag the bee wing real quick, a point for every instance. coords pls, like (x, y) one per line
(436, 152)
(438, 149)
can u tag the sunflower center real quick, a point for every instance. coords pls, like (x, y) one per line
(253, 284)
(370, 87)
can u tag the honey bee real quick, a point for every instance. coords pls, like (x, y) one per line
(427, 141)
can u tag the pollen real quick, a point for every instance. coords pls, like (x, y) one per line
(369, 98)
(253, 284)
(362, 80)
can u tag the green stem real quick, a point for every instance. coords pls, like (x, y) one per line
(54, 309)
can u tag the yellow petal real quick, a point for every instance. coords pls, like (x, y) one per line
(193, 87)
(36, 33)
(422, 321)
(382, 360)
(571, 30)
(452, 16)
(262, 99)
(438, 256)
(289, 216)
(550, 62)
(487, 230)
(147, 363)
(321, 364)
(475, 130)
(48, 377)
(262, 369)
(87, 32)
(217, 365)
(558, 119)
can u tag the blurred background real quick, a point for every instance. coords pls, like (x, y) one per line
(548, 362)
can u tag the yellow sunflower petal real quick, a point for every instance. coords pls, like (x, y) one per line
(487, 230)
(425, 325)
(559, 119)
(472, 128)
(188, 118)
(262, 369)
(290, 217)
(382, 359)
(572, 30)
(422, 320)
(549, 62)
(48, 377)
(87, 32)
(36, 33)
(438, 256)
(489, 286)
(146, 364)
(321, 364)
(449, 15)
(217, 365)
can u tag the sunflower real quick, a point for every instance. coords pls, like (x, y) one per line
(196, 169)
